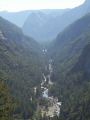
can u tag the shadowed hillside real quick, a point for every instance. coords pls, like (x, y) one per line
(20, 63)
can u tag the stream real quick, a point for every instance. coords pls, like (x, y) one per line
(54, 104)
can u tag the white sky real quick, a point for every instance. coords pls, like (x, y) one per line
(18, 5)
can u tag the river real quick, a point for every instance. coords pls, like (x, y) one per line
(54, 105)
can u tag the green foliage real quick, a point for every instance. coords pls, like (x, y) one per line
(21, 65)
(67, 47)
(8, 105)
(71, 56)
(73, 89)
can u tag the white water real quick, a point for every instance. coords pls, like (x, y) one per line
(45, 93)
(55, 108)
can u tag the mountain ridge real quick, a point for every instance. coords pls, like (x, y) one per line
(56, 24)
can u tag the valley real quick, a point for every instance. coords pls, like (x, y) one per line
(52, 107)
(48, 106)
(45, 64)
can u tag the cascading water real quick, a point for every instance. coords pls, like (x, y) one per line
(54, 105)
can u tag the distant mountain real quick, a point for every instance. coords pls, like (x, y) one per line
(42, 25)
(72, 15)
(17, 18)
(47, 28)
(39, 20)
(20, 65)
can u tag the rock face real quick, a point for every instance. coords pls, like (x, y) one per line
(2, 36)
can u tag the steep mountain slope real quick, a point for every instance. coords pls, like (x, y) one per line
(20, 64)
(83, 64)
(73, 89)
(71, 64)
(61, 22)
(69, 44)
(56, 24)
(39, 22)
(77, 89)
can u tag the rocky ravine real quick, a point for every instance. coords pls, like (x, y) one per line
(50, 106)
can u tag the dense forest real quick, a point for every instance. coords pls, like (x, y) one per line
(20, 64)
(72, 70)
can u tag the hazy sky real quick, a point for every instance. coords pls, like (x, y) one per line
(18, 5)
